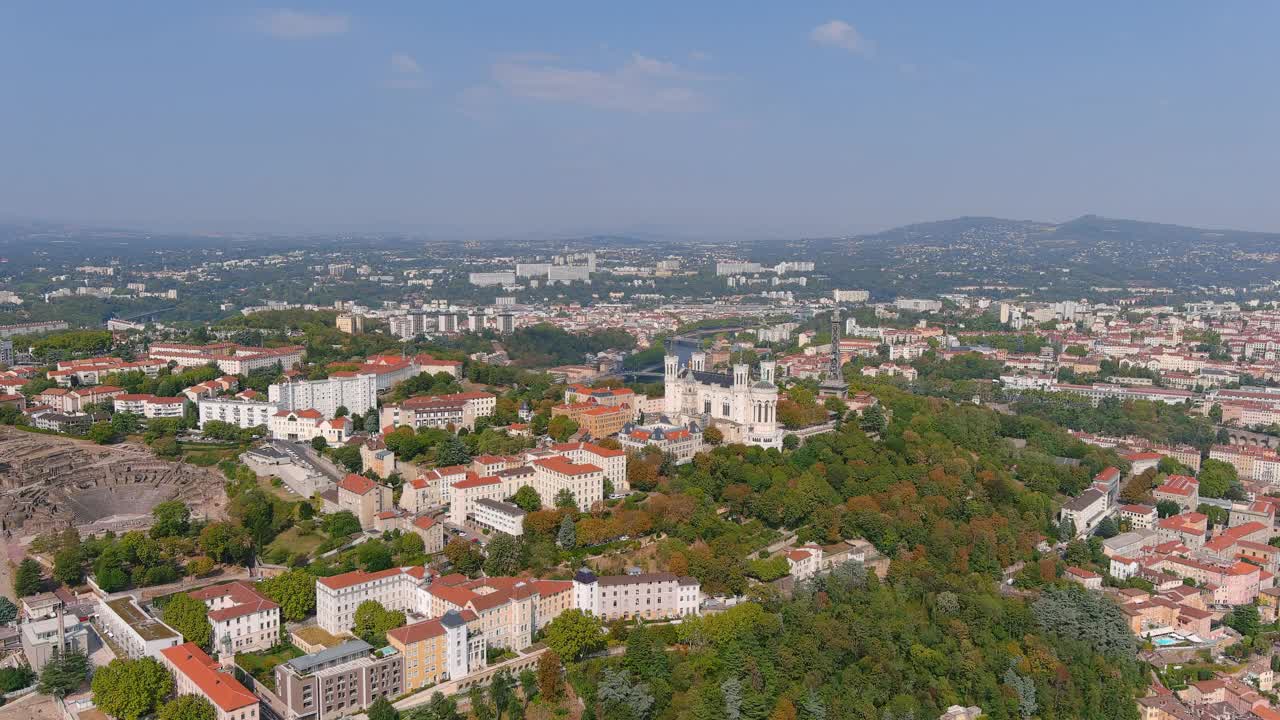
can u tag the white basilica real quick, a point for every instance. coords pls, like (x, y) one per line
(745, 411)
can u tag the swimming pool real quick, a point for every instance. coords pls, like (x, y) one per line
(1166, 640)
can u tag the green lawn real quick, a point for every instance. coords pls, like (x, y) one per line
(262, 665)
(208, 454)
(293, 542)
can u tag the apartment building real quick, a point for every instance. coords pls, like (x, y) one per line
(682, 443)
(243, 412)
(363, 498)
(804, 562)
(1139, 517)
(1189, 528)
(597, 421)
(466, 493)
(1181, 489)
(195, 673)
(431, 532)
(445, 648)
(338, 596)
(431, 488)
(230, 358)
(357, 393)
(133, 630)
(304, 425)
(243, 619)
(1243, 458)
(612, 462)
(498, 516)
(1085, 510)
(150, 406)
(508, 610)
(584, 481)
(439, 411)
(648, 596)
(339, 681)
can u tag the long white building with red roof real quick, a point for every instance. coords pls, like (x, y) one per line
(338, 596)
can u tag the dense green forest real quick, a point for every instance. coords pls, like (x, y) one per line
(849, 646)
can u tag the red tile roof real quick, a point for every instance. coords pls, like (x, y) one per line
(357, 484)
(222, 689)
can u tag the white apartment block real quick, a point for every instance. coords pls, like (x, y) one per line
(498, 516)
(358, 394)
(337, 597)
(650, 596)
(241, 413)
(612, 462)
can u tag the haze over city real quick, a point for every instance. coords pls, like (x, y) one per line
(678, 119)
(656, 361)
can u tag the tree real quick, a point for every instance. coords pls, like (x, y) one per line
(1167, 508)
(1107, 528)
(526, 498)
(550, 672)
(166, 447)
(29, 579)
(1216, 478)
(63, 674)
(340, 524)
(574, 633)
(341, 411)
(102, 433)
(503, 553)
(452, 452)
(130, 689)
(318, 443)
(873, 421)
(561, 428)
(1215, 413)
(373, 555)
(528, 683)
(1244, 619)
(189, 617)
(790, 441)
(566, 500)
(8, 611)
(172, 518)
(382, 709)
(187, 707)
(294, 591)
(712, 436)
(15, 678)
(567, 538)
(621, 697)
(463, 556)
(68, 566)
(226, 542)
(372, 621)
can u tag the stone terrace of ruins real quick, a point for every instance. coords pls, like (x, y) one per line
(52, 483)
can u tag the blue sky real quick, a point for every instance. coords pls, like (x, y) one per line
(752, 120)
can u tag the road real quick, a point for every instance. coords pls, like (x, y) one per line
(302, 454)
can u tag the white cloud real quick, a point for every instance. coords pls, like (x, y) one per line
(840, 34)
(293, 24)
(404, 64)
(643, 84)
(406, 73)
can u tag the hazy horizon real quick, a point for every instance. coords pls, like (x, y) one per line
(492, 121)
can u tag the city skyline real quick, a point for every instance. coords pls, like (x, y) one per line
(832, 119)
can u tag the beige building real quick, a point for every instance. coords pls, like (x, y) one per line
(508, 610)
(364, 498)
